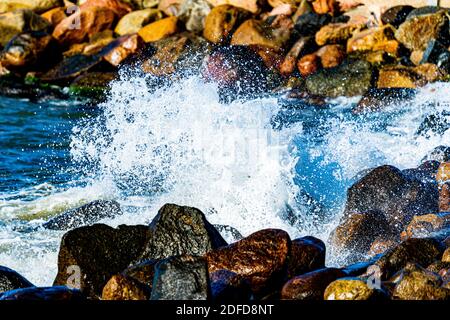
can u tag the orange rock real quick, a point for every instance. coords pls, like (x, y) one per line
(249, 5)
(374, 39)
(221, 21)
(429, 72)
(397, 78)
(55, 16)
(119, 8)
(423, 226)
(308, 64)
(331, 55)
(443, 174)
(326, 6)
(289, 63)
(416, 57)
(121, 287)
(159, 29)
(82, 24)
(122, 48)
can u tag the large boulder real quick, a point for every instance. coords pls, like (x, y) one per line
(261, 258)
(89, 256)
(397, 195)
(11, 280)
(134, 21)
(181, 278)
(307, 254)
(143, 272)
(221, 23)
(229, 286)
(56, 293)
(38, 6)
(178, 230)
(16, 22)
(351, 78)
(84, 215)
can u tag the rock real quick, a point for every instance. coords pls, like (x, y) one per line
(143, 272)
(437, 54)
(434, 124)
(119, 8)
(16, 22)
(307, 254)
(326, 6)
(310, 286)
(426, 172)
(374, 39)
(350, 289)
(183, 52)
(423, 251)
(310, 23)
(249, 5)
(55, 16)
(38, 6)
(260, 258)
(259, 33)
(351, 78)
(309, 64)
(443, 173)
(398, 77)
(358, 231)
(442, 268)
(84, 215)
(122, 48)
(446, 255)
(440, 154)
(336, 33)
(388, 190)
(170, 7)
(181, 278)
(426, 225)
(288, 66)
(429, 72)
(193, 13)
(71, 67)
(396, 15)
(120, 287)
(56, 293)
(229, 233)
(425, 10)
(380, 246)
(221, 23)
(159, 29)
(134, 21)
(416, 33)
(11, 280)
(331, 55)
(377, 99)
(178, 230)
(93, 85)
(82, 24)
(229, 286)
(96, 253)
(416, 283)
(359, 269)
(26, 50)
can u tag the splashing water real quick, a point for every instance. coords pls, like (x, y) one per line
(179, 144)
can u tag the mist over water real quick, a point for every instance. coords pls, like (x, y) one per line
(179, 144)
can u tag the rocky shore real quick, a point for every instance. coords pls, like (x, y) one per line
(395, 231)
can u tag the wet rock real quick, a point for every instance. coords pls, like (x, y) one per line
(437, 54)
(358, 231)
(11, 280)
(92, 85)
(446, 255)
(260, 257)
(310, 286)
(309, 64)
(440, 154)
(310, 23)
(374, 39)
(307, 254)
(426, 172)
(326, 6)
(359, 268)
(351, 78)
(288, 66)
(416, 32)
(229, 286)
(429, 72)
(38, 6)
(178, 230)
(388, 190)
(423, 251)
(331, 55)
(122, 48)
(434, 124)
(193, 13)
(336, 33)
(143, 272)
(134, 21)
(221, 23)
(181, 278)
(29, 50)
(351, 289)
(57, 293)
(96, 253)
(259, 33)
(425, 10)
(249, 5)
(119, 8)
(55, 16)
(380, 245)
(159, 29)
(442, 268)
(395, 16)
(16, 22)
(416, 283)
(377, 99)
(84, 215)
(82, 24)
(120, 287)
(71, 67)
(426, 225)
(228, 232)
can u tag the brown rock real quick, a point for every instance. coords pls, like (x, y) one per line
(309, 64)
(381, 245)
(260, 257)
(97, 42)
(429, 72)
(289, 63)
(255, 32)
(446, 255)
(120, 287)
(122, 48)
(55, 16)
(38, 6)
(303, 7)
(443, 175)
(442, 268)
(326, 6)
(159, 29)
(249, 5)
(118, 7)
(444, 197)
(134, 21)
(336, 33)
(422, 226)
(400, 77)
(375, 39)
(143, 272)
(222, 21)
(350, 289)
(307, 254)
(90, 21)
(310, 286)
(416, 57)
(331, 55)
